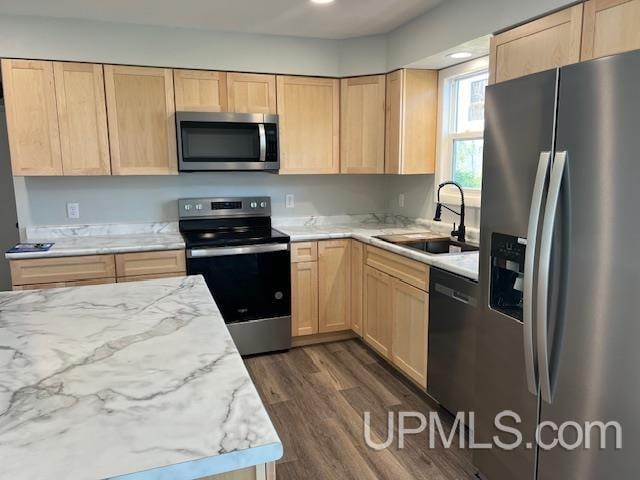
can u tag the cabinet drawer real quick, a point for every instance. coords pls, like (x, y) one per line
(150, 263)
(304, 252)
(153, 276)
(409, 271)
(78, 283)
(61, 269)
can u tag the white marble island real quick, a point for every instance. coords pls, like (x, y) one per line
(133, 381)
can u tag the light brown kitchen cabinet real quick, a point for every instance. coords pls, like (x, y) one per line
(141, 114)
(32, 118)
(200, 91)
(82, 117)
(378, 310)
(309, 110)
(410, 330)
(610, 27)
(549, 42)
(357, 290)
(159, 262)
(362, 124)
(304, 298)
(251, 93)
(334, 283)
(34, 271)
(77, 283)
(411, 114)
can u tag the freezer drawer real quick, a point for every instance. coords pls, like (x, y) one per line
(452, 337)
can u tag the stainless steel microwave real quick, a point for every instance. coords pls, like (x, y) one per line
(210, 141)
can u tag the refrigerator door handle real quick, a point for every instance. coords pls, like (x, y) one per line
(546, 242)
(529, 266)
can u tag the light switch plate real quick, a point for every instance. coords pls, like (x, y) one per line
(73, 210)
(289, 201)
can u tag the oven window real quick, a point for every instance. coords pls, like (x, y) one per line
(207, 142)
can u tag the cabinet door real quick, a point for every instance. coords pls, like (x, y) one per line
(410, 330)
(32, 118)
(357, 278)
(304, 298)
(200, 91)
(334, 285)
(82, 114)
(141, 113)
(362, 124)
(411, 117)
(309, 110)
(378, 312)
(609, 27)
(251, 93)
(549, 42)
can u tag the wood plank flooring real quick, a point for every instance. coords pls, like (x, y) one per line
(316, 397)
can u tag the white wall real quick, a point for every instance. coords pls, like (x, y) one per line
(148, 199)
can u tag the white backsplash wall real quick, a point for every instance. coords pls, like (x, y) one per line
(42, 200)
(419, 200)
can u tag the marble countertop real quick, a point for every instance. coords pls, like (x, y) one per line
(464, 264)
(134, 381)
(108, 239)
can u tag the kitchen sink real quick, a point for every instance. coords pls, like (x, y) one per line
(436, 246)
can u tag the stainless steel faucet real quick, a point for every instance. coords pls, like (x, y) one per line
(460, 232)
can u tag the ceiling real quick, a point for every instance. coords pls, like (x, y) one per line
(301, 18)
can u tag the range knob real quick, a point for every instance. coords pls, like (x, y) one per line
(254, 204)
(187, 206)
(198, 206)
(263, 204)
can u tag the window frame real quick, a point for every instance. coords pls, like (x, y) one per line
(447, 117)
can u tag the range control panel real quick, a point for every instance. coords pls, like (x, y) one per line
(216, 207)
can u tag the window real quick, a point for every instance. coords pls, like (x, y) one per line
(462, 128)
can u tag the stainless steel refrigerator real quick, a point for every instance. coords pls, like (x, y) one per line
(559, 333)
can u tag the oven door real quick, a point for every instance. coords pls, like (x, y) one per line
(248, 283)
(226, 141)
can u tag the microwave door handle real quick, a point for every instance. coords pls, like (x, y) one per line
(263, 142)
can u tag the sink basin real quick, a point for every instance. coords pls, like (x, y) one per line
(438, 246)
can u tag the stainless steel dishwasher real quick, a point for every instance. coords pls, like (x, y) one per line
(453, 307)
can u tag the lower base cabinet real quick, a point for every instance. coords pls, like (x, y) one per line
(304, 298)
(378, 310)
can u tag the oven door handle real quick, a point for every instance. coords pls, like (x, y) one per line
(243, 250)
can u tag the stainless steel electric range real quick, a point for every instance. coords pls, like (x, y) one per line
(246, 265)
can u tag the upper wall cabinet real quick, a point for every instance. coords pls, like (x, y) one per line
(309, 110)
(549, 42)
(32, 119)
(251, 93)
(82, 116)
(362, 124)
(200, 91)
(412, 104)
(142, 129)
(609, 27)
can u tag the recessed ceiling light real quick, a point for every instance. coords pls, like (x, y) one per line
(459, 55)
(322, 1)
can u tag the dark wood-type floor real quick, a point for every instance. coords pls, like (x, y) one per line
(316, 397)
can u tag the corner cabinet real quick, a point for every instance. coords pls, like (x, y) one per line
(309, 110)
(251, 93)
(610, 27)
(549, 42)
(334, 285)
(200, 91)
(362, 124)
(411, 115)
(142, 129)
(32, 118)
(357, 286)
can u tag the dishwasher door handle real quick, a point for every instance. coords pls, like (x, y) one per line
(456, 295)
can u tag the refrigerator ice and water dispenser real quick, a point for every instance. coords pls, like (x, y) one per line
(507, 274)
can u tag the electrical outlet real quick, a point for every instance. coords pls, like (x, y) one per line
(73, 210)
(289, 201)
(401, 200)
